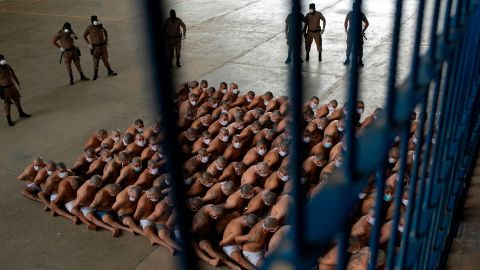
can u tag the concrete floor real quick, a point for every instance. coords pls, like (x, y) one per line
(241, 41)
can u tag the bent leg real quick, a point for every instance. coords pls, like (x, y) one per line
(164, 235)
(91, 217)
(128, 221)
(238, 258)
(108, 219)
(203, 256)
(63, 213)
(29, 195)
(79, 214)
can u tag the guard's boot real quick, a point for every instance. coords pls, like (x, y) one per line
(9, 120)
(320, 56)
(71, 79)
(178, 63)
(95, 75)
(307, 57)
(83, 77)
(347, 61)
(111, 72)
(22, 114)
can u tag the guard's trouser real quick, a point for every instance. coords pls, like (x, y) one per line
(174, 44)
(100, 52)
(69, 57)
(311, 36)
(350, 47)
(11, 94)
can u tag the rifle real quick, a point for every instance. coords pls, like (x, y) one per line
(61, 56)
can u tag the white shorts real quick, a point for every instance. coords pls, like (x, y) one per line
(229, 249)
(53, 196)
(69, 206)
(253, 257)
(145, 223)
(33, 186)
(85, 210)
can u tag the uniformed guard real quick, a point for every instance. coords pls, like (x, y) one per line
(174, 36)
(313, 31)
(8, 90)
(98, 43)
(349, 29)
(69, 51)
(289, 33)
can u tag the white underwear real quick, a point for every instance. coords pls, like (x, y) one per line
(53, 196)
(145, 223)
(253, 257)
(85, 210)
(229, 249)
(69, 206)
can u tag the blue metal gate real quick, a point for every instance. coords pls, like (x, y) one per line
(443, 83)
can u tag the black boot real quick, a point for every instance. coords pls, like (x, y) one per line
(95, 75)
(71, 79)
(22, 114)
(111, 72)
(9, 120)
(178, 63)
(320, 56)
(83, 77)
(307, 57)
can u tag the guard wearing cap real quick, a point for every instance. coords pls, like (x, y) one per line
(174, 36)
(69, 51)
(96, 37)
(8, 90)
(313, 31)
(348, 29)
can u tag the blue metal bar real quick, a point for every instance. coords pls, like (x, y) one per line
(163, 96)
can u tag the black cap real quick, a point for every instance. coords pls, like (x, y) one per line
(312, 6)
(93, 18)
(1, 56)
(67, 25)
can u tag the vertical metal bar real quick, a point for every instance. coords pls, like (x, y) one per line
(163, 94)
(379, 215)
(296, 212)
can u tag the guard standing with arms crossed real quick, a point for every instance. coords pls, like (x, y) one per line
(312, 31)
(348, 29)
(98, 45)
(8, 90)
(174, 36)
(70, 52)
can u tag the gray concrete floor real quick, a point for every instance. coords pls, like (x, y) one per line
(241, 41)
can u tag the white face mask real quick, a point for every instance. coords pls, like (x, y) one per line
(36, 168)
(266, 102)
(141, 143)
(204, 159)
(282, 153)
(306, 139)
(284, 178)
(62, 174)
(108, 159)
(338, 164)
(224, 111)
(219, 168)
(235, 91)
(255, 131)
(237, 145)
(137, 169)
(193, 103)
(224, 138)
(224, 91)
(362, 195)
(223, 122)
(132, 199)
(89, 159)
(249, 99)
(391, 160)
(124, 142)
(340, 129)
(206, 141)
(3, 62)
(95, 23)
(49, 172)
(387, 197)
(261, 152)
(313, 105)
(415, 140)
(330, 108)
(215, 105)
(139, 129)
(400, 228)
(204, 89)
(66, 30)
(327, 144)
(371, 220)
(154, 147)
(359, 111)
(115, 139)
(405, 202)
(154, 171)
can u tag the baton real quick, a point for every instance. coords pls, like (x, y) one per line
(61, 56)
